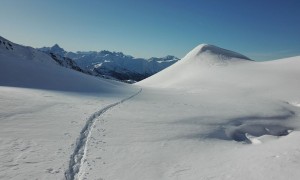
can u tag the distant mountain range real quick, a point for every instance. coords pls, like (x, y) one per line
(111, 65)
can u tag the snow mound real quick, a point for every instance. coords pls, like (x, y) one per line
(195, 66)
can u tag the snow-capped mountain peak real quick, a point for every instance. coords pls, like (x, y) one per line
(55, 49)
(116, 65)
(164, 59)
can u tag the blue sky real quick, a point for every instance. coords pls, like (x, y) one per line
(259, 29)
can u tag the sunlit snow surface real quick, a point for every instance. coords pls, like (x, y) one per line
(213, 115)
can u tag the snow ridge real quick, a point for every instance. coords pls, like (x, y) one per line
(80, 149)
(214, 50)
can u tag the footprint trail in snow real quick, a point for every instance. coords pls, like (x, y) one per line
(76, 158)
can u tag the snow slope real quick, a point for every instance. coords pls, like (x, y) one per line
(213, 115)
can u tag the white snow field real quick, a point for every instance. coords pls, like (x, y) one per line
(215, 114)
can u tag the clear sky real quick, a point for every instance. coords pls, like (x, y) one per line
(259, 29)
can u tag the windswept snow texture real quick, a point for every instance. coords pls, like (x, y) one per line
(215, 114)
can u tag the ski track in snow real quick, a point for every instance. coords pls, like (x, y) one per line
(80, 148)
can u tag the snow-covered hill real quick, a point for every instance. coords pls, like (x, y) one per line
(114, 64)
(195, 65)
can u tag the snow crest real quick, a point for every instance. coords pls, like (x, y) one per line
(214, 50)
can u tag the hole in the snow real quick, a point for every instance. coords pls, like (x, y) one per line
(249, 132)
